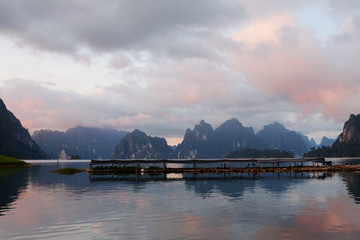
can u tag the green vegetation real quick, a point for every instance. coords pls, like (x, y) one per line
(68, 171)
(255, 153)
(344, 149)
(11, 162)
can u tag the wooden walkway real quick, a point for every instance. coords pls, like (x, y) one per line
(111, 166)
(207, 161)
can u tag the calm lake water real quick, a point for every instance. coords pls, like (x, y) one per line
(38, 204)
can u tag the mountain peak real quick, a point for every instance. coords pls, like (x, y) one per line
(326, 142)
(276, 136)
(233, 122)
(15, 140)
(139, 145)
(203, 128)
(351, 130)
(275, 125)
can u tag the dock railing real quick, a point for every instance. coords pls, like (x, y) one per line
(196, 164)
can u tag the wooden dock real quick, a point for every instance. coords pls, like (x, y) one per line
(137, 166)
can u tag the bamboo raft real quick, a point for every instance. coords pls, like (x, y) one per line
(254, 165)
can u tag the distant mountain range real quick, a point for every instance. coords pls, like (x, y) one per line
(83, 142)
(15, 140)
(201, 142)
(205, 142)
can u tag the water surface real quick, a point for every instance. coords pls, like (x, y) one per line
(38, 204)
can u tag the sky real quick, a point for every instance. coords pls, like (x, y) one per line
(162, 66)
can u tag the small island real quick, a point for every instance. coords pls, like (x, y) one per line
(6, 162)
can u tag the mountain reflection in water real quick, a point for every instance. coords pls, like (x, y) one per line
(38, 204)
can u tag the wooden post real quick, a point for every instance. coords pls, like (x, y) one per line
(164, 166)
(260, 166)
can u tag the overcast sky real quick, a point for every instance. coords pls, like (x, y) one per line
(162, 66)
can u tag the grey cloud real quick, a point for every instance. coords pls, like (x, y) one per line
(344, 8)
(107, 26)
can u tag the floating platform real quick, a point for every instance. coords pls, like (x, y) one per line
(254, 165)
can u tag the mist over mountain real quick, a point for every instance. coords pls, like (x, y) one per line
(86, 142)
(327, 142)
(138, 145)
(276, 136)
(15, 140)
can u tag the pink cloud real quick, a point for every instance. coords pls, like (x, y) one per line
(65, 100)
(123, 122)
(143, 116)
(30, 104)
(287, 61)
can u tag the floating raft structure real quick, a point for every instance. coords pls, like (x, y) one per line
(158, 166)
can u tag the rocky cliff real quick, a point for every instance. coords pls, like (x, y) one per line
(204, 142)
(15, 140)
(351, 130)
(200, 142)
(138, 145)
(347, 144)
(276, 136)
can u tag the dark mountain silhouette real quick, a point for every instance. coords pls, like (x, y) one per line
(276, 136)
(232, 136)
(310, 143)
(15, 140)
(199, 143)
(347, 144)
(86, 142)
(138, 145)
(351, 131)
(327, 142)
(204, 142)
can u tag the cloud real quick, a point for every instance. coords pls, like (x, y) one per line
(287, 61)
(71, 27)
(162, 110)
(162, 66)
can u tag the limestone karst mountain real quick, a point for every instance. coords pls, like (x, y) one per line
(85, 142)
(138, 145)
(205, 142)
(15, 140)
